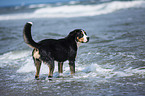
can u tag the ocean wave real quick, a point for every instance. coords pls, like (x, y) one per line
(68, 11)
(13, 58)
(14, 55)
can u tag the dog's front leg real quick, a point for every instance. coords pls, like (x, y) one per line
(60, 67)
(72, 66)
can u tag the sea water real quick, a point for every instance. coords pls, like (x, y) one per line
(111, 64)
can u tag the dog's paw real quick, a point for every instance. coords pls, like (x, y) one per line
(50, 78)
(36, 77)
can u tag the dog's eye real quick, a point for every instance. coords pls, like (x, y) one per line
(81, 35)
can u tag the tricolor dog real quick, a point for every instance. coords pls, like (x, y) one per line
(50, 50)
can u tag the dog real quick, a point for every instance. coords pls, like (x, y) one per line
(50, 50)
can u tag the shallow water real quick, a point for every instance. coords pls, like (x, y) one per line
(111, 64)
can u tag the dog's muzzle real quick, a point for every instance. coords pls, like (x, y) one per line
(87, 39)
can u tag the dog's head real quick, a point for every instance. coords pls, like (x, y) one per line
(79, 35)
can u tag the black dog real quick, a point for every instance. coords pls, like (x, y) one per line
(50, 50)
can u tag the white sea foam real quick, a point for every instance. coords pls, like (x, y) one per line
(13, 55)
(66, 11)
(91, 71)
(13, 58)
(26, 65)
(37, 6)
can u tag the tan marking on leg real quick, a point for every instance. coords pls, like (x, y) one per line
(38, 65)
(51, 69)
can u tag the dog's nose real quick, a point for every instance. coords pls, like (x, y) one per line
(88, 39)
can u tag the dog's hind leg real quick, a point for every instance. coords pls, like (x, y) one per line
(37, 62)
(51, 69)
(60, 67)
(38, 65)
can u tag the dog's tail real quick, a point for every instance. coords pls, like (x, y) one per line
(27, 36)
